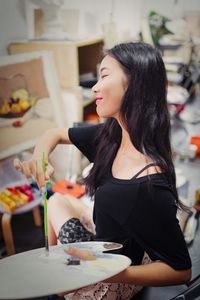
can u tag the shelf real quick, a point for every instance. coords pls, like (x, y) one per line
(72, 58)
(77, 43)
(17, 139)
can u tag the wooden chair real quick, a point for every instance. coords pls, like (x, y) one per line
(6, 223)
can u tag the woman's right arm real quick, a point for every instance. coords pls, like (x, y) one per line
(46, 144)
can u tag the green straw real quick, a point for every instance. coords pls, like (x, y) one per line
(44, 194)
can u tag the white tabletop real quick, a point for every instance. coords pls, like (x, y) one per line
(32, 274)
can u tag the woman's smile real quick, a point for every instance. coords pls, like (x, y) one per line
(99, 100)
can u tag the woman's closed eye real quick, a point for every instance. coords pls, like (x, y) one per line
(104, 75)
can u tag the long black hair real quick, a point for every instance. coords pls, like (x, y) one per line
(143, 112)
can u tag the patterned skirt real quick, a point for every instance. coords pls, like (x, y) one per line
(73, 231)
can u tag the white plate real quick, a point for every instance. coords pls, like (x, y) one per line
(94, 247)
(190, 117)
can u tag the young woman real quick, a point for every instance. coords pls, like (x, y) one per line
(132, 178)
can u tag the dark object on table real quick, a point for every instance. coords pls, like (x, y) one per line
(73, 261)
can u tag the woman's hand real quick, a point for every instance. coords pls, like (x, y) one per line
(33, 169)
(86, 218)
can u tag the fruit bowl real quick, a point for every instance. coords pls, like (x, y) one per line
(11, 115)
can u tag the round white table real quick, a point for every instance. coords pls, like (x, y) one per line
(33, 274)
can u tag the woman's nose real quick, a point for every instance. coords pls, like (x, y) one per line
(95, 88)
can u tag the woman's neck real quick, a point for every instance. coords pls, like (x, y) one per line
(127, 148)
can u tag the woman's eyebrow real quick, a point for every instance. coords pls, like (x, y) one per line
(103, 68)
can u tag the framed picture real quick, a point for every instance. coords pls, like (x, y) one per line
(29, 82)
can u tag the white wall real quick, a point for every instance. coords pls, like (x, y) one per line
(93, 13)
(12, 23)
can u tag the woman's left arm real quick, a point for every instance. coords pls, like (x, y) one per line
(152, 274)
(157, 230)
